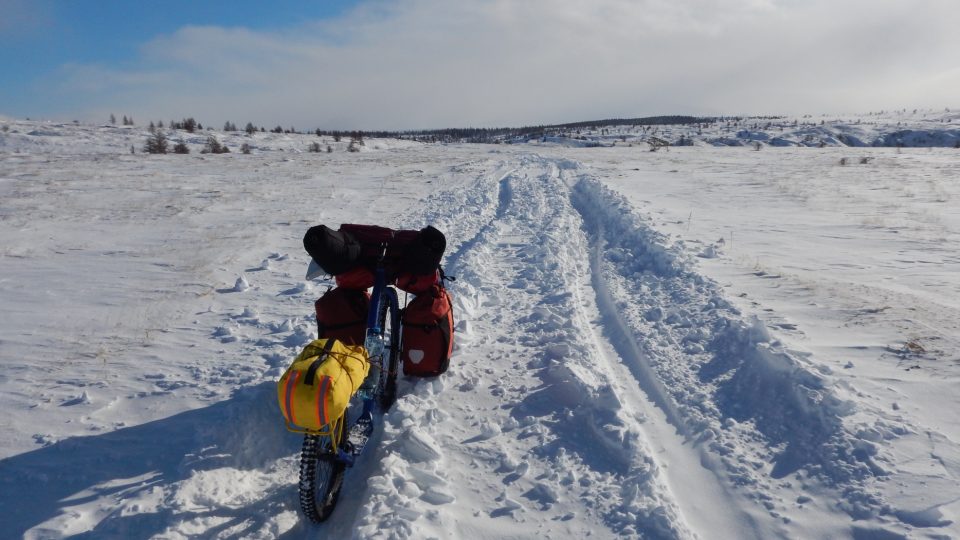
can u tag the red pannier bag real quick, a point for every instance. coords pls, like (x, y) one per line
(427, 340)
(342, 315)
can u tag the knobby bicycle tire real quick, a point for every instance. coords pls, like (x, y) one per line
(389, 320)
(321, 477)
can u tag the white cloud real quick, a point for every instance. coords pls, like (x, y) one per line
(435, 63)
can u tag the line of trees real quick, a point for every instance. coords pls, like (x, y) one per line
(127, 121)
(469, 135)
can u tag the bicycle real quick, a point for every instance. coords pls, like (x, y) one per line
(326, 454)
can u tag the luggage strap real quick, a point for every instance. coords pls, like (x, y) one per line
(312, 370)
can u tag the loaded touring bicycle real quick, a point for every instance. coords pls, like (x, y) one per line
(340, 382)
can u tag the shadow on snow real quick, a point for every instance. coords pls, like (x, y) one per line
(242, 433)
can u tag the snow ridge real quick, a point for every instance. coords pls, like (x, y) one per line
(737, 389)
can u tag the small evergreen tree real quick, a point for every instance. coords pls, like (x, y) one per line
(156, 143)
(213, 146)
(181, 148)
(113, 119)
(245, 148)
(250, 129)
(315, 147)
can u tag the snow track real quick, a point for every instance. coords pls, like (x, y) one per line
(552, 426)
(541, 429)
(757, 411)
(669, 415)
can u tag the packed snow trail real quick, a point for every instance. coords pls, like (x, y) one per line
(564, 264)
(543, 416)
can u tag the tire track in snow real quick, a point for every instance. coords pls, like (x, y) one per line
(503, 201)
(693, 474)
(759, 412)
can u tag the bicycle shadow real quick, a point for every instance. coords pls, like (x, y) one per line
(110, 479)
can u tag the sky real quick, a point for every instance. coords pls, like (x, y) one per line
(416, 64)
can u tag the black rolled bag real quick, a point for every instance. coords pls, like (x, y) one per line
(335, 251)
(423, 254)
(352, 246)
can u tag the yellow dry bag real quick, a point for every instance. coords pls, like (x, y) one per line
(317, 388)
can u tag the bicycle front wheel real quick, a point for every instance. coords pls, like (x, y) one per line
(389, 320)
(321, 477)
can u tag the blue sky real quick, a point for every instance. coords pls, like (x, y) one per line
(410, 64)
(38, 37)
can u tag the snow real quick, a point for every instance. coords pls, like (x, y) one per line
(698, 342)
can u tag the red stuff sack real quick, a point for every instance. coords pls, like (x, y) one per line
(342, 315)
(427, 340)
(361, 278)
(401, 251)
(417, 283)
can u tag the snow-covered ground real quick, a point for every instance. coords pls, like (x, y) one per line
(697, 342)
(901, 128)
